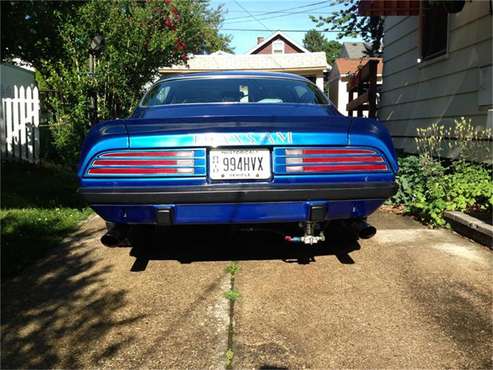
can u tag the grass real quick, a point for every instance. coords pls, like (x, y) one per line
(40, 206)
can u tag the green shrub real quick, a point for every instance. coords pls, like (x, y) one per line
(428, 188)
(410, 180)
(428, 185)
(140, 37)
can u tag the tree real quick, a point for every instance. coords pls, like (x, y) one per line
(29, 29)
(348, 24)
(139, 38)
(37, 39)
(315, 41)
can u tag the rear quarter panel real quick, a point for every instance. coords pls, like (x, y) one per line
(372, 133)
(106, 135)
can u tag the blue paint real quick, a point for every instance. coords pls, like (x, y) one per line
(371, 133)
(204, 126)
(231, 213)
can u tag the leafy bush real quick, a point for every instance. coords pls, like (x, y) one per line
(428, 186)
(460, 187)
(140, 37)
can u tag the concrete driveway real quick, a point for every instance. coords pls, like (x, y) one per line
(409, 297)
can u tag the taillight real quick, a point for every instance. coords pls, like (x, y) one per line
(173, 162)
(328, 160)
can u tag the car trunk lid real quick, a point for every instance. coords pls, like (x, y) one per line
(211, 125)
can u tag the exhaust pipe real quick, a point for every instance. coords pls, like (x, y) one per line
(115, 235)
(362, 229)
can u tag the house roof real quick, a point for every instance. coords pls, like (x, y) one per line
(273, 36)
(258, 62)
(345, 65)
(235, 73)
(353, 50)
(221, 52)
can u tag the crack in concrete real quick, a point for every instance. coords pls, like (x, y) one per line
(220, 312)
(230, 348)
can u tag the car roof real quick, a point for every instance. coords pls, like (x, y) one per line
(235, 73)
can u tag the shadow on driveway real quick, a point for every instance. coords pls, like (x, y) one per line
(187, 244)
(60, 305)
(80, 307)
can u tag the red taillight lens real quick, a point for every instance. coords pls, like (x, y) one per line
(299, 160)
(154, 162)
(137, 171)
(337, 168)
(331, 160)
(149, 162)
(327, 151)
(177, 153)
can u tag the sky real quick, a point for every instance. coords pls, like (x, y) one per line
(271, 16)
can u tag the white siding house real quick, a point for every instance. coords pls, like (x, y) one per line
(12, 75)
(421, 89)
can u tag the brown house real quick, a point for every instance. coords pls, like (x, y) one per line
(278, 43)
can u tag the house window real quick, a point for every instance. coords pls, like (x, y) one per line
(278, 47)
(434, 30)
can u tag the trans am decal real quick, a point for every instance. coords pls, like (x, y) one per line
(214, 139)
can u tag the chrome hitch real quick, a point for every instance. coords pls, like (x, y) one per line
(309, 237)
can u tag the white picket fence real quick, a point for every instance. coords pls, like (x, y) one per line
(19, 136)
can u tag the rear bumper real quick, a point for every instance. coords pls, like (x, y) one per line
(237, 204)
(238, 194)
(236, 213)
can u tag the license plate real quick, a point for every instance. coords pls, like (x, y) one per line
(230, 164)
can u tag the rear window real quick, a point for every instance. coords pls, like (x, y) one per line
(233, 90)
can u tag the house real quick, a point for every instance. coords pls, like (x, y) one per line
(277, 43)
(339, 76)
(15, 75)
(353, 50)
(277, 53)
(438, 64)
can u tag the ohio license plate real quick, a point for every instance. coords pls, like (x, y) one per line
(230, 164)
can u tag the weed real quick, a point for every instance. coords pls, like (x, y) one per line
(233, 268)
(232, 295)
(229, 358)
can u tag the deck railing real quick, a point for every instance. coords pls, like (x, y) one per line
(364, 83)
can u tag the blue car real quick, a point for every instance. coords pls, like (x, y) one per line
(238, 147)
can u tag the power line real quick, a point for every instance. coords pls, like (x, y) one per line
(259, 12)
(251, 15)
(263, 30)
(277, 11)
(271, 17)
(229, 11)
